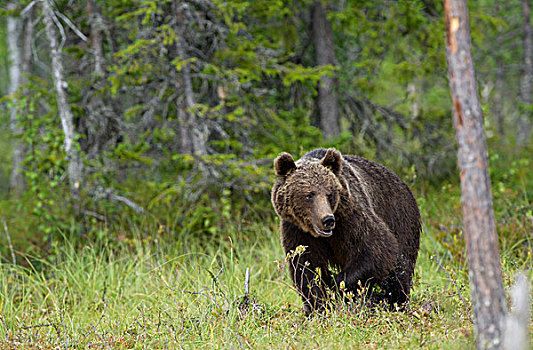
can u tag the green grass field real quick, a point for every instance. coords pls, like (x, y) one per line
(155, 297)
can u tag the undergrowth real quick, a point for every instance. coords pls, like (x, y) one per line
(156, 297)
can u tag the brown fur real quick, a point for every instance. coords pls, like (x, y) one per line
(375, 239)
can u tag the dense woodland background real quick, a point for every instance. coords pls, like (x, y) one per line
(128, 124)
(195, 98)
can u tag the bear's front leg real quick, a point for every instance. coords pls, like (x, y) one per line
(372, 262)
(311, 280)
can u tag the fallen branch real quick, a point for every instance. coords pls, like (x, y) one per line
(56, 328)
(9, 242)
(94, 215)
(108, 193)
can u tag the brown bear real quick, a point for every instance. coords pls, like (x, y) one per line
(352, 215)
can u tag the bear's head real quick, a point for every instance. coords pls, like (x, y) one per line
(307, 192)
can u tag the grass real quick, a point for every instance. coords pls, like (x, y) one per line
(150, 292)
(154, 297)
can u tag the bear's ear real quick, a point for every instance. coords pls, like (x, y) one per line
(283, 164)
(333, 160)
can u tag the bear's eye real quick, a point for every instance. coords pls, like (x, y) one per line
(309, 196)
(331, 197)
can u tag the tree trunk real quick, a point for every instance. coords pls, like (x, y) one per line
(527, 76)
(13, 36)
(65, 113)
(27, 53)
(16, 181)
(488, 296)
(328, 104)
(497, 103)
(96, 23)
(99, 124)
(193, 133)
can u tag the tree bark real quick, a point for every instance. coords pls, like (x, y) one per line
(13, 36)
(527, 77)
(19, 72)
(488, 296)
(27, 53)
(16, 181)
(328, 104)
(96, 23)
(65, 113)
(193, 133)
(99, 124)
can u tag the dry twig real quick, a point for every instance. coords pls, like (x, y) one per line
(9, 242)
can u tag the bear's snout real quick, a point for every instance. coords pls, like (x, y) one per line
(329, 222)
(323, 219)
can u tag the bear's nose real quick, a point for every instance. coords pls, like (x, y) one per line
(328, 222)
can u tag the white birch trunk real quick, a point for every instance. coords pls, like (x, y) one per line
(16, 182)
(65, 113)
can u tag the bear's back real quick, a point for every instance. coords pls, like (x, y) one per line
(393, 201)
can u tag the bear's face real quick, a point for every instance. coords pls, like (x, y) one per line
(308, 193)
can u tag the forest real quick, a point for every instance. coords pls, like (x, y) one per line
(137, 141)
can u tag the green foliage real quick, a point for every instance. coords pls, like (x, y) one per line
(513, 207)
(5, 144)
(4, 58)
(254, 82)
(5, 155)
(45, 162)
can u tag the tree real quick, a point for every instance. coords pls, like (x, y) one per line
(99, 124)
(325, 55)
(192, 131)
(479, 227)
(14, 27)
(65, 112)
(527, 76)
(96, 23)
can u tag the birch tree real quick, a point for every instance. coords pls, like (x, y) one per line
(488, 296)
(14, 29)
(65, 112)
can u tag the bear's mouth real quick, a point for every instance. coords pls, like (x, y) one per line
(323, 233)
